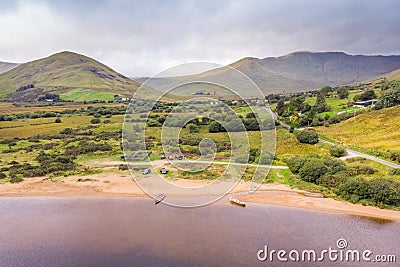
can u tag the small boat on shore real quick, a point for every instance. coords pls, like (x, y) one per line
(235, 201)
(159, 198)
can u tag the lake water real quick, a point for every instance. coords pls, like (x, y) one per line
(91, 231)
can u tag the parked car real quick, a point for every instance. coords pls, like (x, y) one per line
(163, 170)
(146, 171)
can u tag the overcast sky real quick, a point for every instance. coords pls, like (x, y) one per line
(139, 38)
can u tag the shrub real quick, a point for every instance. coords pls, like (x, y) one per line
(337, 151)
(312, 170)
(334, 120)
(335, 165)
(95, 121)
(58, 120)
(215, 127)
(307, 137)
(295, 163)
(266, 159)
(354, 187)
(363, 169)
(2, 175)
(381, 192)
(241, 159)
(333, 181)
(192, 128)
(67, 131)
(14, 178)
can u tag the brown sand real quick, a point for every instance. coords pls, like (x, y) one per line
(114, 184)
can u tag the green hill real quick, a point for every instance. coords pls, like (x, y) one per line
(377, 129)
(60, 73)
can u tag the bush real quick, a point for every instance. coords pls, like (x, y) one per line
(58, 120)
(312, 170)
(354, 187)
(95, 121)
(215, 127)
(266, 159)
(15, 179)
(2, 175)
(241, 159)
(295, 163)
(363, 169)
(192, 128)
(333, 181)
(307, 137)
(67, 131)
(337, 151)
(335, 165)
(382, 192)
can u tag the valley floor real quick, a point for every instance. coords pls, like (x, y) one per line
(121, 184)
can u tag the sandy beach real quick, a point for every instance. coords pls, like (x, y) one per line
(116, 184)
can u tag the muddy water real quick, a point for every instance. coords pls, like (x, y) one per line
(135, 232)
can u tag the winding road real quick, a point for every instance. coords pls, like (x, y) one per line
(353, 153)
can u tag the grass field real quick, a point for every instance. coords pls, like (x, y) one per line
(83, 94)
(376, 129)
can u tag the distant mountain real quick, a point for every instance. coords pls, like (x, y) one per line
(300, 71)
(6, 66)
(61, 73)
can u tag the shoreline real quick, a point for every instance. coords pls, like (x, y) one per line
(122, 185)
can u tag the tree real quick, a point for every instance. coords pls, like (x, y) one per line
(321, 105)
(325, 90)
(368, 95)
(312, 170)
(389, 98)
(343, 93)
(280, 107)
(192, 128)
(307, 137)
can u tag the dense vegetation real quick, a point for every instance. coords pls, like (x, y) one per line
(347, 182)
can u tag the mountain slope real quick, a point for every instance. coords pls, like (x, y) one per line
(301, 71)
(6, 66)
(62, 72)
(306, 70)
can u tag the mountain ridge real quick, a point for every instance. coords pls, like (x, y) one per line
(296, 72)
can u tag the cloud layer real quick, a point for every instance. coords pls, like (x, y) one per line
(144, 37)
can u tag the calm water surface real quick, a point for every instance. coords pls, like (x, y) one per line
(135, 232)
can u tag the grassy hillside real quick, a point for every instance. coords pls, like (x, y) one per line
(61, 72)
(376, 129)
(82, 94)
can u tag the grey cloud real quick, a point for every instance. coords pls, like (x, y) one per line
(144, 37)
